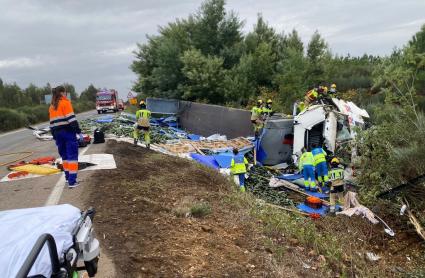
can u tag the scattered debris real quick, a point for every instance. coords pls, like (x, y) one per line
(372, 257)
(413, 219)
(85, 162)
(353, 207)
(37, 169)
(18, 174)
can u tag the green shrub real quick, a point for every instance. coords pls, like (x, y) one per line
(81, 106)
(35, 114)
(11, 119)
(200, 210)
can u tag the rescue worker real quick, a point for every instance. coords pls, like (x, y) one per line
(311, 96)
(257, 118)
(306, 167)
(267, 110)
(337, 188)
(332, 91)
(325, 91)
(238, 167)
(299, 107)
(319, 156)
(143, 124)
(65, 129)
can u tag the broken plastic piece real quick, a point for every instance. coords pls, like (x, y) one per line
(403, 209)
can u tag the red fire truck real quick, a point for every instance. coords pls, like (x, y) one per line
(106, 100)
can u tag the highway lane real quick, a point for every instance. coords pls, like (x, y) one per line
(28, 192)
(35, 192)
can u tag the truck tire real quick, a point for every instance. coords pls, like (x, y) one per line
(98, 111)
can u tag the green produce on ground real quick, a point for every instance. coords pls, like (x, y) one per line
(258, 184)
(122, 126)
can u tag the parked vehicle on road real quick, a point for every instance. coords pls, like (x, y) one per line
(121, 105)
(106, 100)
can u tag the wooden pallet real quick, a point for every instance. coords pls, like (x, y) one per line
(186, 146)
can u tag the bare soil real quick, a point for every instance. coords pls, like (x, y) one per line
(145, 223)
(143, 219)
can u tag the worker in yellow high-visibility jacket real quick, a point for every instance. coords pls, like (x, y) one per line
(306, 167)
(238, 167)
(337, 184)
(257, 118)
(143, 124)
(320, 163)
(268, 110)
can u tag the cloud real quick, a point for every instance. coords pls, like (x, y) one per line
(23, 63)
(120, 51)
(83, 42)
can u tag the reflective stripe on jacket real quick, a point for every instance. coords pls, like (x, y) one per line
(238, 164)
(144, 113)
(63, 117)
(319, 155)
(337, 176)
(306, 159)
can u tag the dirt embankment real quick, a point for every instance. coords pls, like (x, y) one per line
(168, 217)
(162, 216)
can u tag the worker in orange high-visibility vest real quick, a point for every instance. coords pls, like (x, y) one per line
(65, 129)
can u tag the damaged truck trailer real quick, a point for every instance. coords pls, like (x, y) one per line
(331, 125)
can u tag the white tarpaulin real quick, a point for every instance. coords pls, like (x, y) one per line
(21, 228)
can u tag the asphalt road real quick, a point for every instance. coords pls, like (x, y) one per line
(28, 192)
(35, 192)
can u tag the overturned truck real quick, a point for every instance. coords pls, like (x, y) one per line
(331, 125)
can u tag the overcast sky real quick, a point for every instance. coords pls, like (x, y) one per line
(91, 41)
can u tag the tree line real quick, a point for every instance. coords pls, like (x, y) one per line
(20, 107)
(207, 58)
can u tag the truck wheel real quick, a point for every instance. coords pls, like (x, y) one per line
(98, 111)
(91, 267)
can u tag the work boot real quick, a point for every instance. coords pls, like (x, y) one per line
(70, 186)
(242, 188)
(148, 146)
(135, 142)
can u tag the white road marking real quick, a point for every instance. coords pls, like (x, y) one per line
(57, 191)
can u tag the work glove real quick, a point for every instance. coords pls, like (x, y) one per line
(80, 137)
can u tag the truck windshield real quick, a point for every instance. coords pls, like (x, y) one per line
(103, 97)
